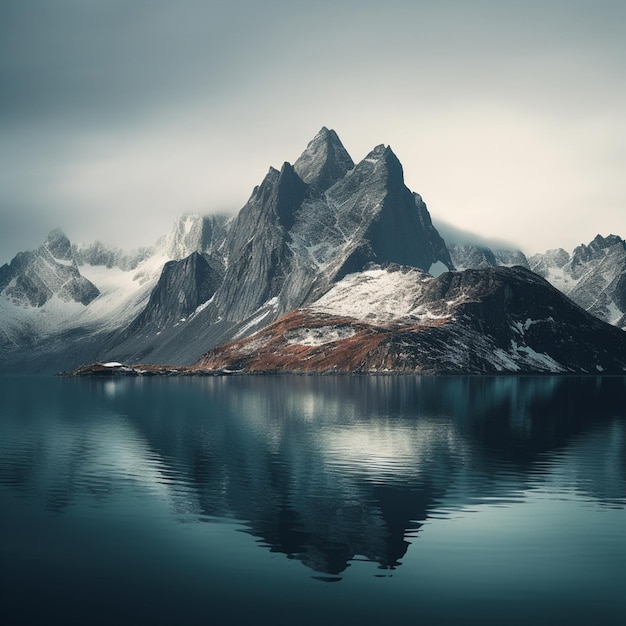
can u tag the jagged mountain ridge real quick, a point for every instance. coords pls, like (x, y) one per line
(593, 275)
(303, 228)
(38, 335)
(398, 319)
(313, 222)
(33, 278)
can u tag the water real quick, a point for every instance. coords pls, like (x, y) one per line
(307, 500)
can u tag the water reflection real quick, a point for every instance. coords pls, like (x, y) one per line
(325, 470)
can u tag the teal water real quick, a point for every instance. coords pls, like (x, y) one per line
(310, 500)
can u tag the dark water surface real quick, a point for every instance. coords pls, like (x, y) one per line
(313, 500)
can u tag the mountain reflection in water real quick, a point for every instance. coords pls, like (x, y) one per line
(326, 470)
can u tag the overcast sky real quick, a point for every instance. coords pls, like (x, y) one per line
(118, 115)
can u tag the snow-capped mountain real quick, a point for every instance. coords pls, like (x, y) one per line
(400, 319)
(303, 246)
(303, 228)
(39, 291)
(313, 222)
(593, 276)
(67, 302)
(33, 278)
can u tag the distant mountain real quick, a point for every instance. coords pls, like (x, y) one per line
(39, 290)
(471, 251)
(68, 303)
(34, 278)
(400, 319)
(593, 275)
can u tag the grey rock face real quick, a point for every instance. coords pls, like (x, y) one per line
(307, 225)
(324, 161)
(32, 278)
(257, 251)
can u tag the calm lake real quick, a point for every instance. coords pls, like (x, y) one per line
(313, 500)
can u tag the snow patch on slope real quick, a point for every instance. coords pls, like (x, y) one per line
(377, 295)
(319, 336)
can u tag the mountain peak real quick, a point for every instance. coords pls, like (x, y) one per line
(605, 242)
(384, 156)
(324, 161)
(58, 245)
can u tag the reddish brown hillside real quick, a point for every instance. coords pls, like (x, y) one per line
(305, 342)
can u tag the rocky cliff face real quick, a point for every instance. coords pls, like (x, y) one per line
(308, 225)
(182, 287)
(401, 320)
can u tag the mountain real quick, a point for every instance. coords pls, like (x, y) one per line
(68, 303)
(39, 290)
(471, 256)
(34, 278)
(309, 224)
(400, 319)
(471, 251)
(593, 275)
(310, 233)
(303, 228)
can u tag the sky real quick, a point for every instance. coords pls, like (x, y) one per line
(117, 116)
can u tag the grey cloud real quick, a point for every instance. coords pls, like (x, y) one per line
(88, 87)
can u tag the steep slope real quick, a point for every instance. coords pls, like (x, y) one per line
(182, 287)
(593, 275)
(399, 319)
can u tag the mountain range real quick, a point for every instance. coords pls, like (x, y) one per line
(329, 266)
